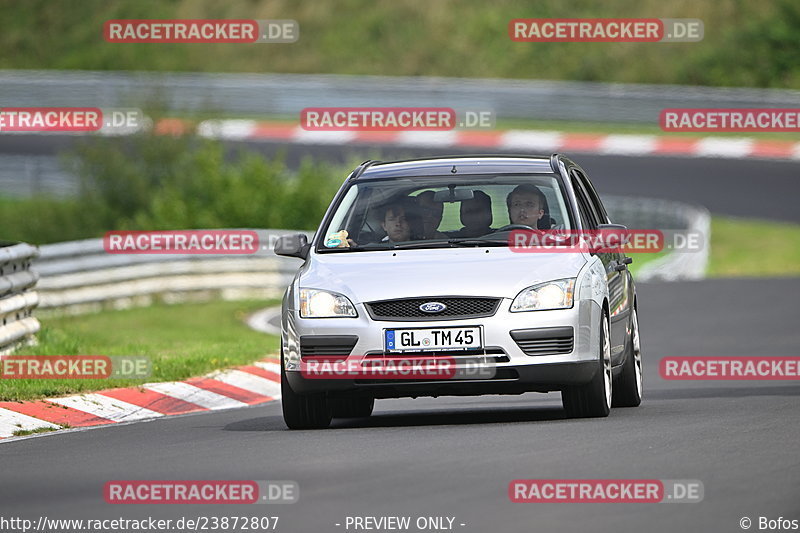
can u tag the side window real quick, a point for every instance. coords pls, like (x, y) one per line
(587, 218)
(583, 211)
(594, 198)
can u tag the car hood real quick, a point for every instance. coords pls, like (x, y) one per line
(384, 275)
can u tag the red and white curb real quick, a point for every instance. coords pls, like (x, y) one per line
(518, 140)
(223, 389)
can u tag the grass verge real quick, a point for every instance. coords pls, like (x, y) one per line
(181, 341)
(26, 432)
(742, 247)
(753, 248)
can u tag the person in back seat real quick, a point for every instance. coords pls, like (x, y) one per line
(476, 215)
(431, 214)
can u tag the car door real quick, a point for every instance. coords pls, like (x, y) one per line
(617, 281)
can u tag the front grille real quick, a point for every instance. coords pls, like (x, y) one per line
(316, 345)
(457, 308)
(545, 341)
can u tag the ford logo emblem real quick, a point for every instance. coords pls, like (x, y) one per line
(432, 307)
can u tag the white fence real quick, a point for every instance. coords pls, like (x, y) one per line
(80, 276)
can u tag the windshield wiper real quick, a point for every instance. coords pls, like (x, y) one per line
(450, 243)
(422, 244)
(479, 242)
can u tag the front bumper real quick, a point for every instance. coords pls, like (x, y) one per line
(514, 371)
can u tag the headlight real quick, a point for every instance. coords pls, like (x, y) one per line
(316, 303)
(551, 295)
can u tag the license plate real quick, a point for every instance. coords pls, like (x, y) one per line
(417, 340)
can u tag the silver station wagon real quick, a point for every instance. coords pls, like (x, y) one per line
(413, 262)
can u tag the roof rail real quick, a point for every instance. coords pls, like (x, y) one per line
(554, 162)
(458, 156)
(361, 168)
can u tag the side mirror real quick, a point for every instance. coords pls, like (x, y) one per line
(611, 237)
(292, 246)
(617, 227)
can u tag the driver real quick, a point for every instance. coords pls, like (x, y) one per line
(526, 205)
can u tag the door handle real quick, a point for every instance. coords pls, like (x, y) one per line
(622, 265)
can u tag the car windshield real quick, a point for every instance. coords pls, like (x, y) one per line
(441, 212)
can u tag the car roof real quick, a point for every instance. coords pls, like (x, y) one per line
(463, 165)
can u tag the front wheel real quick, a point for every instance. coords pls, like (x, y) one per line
(594, 398)
(303, 411)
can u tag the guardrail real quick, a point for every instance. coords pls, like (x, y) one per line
(80, 276)
(17, 296)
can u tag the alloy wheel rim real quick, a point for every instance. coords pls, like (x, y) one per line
(637, 354)
(607, 364)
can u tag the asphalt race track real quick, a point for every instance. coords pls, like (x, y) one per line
(455, 457)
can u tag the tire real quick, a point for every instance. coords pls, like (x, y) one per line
(352, 407)
(628, 386)
(594, 398)
(303, 411)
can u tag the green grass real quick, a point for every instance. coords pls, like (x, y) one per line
(181, 341)
(26, 432)
(753, 248)
(745, 43)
